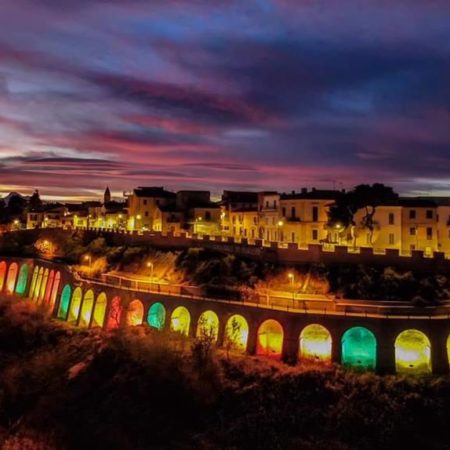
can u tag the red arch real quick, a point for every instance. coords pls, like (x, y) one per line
(115, 312)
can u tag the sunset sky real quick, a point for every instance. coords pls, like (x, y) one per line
(218, 94)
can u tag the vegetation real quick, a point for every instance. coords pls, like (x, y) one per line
(137, 388)
(235, 277)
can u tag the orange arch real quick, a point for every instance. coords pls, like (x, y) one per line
(2, 274)
(115, 313)
(135, 313)
(11, 278)
(48, 290)
(270, 339)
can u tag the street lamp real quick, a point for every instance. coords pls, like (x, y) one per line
(291, 278)
(150, 264)
(88, 258)
(280, 233)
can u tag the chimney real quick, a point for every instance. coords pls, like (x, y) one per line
(304, 190)
(293, 192)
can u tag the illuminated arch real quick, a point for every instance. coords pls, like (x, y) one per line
(55, 288)
(448, 349)
(115, 314)
(180, 320)
(48, 290)
(22, 281)
(412, 352)
(315, 343)
(75, 305)
(86, 309)
(99, 311)
(11, 278)
(2, 274)
(270, 339)
(208, 326)
(135, 313)
(156, 316)
(359, 348)
(64, 302)
(236, 333)
(43, 286)
(37, 287)
(33, 282)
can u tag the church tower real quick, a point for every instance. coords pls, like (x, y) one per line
(106, 196)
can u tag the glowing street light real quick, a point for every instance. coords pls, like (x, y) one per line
(88, 258)
(150, 265)
(291, 278)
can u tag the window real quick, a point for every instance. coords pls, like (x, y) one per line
(391, 218)
(146, 213)
(293, 237)
(275, 204)
(145, 202)
(315, 214)
(429, 233)
(283, 211)
(412, 231)
(429, 213)
(293, 212)
(391, 238)
(412, 213)
(315, 235)
(207, 215)
(267, 203)
(412, 247)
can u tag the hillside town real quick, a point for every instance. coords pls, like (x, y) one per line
(381, 219)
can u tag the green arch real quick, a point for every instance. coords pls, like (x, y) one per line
(86, 309)
(64, 302)
(33, 282)
(22, 280)
(359, 348)
(156, 317)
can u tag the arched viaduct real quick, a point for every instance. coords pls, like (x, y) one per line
(386, 344)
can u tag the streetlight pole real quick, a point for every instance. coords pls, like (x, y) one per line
(150, 264)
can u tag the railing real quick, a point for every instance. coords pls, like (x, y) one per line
(345, 308)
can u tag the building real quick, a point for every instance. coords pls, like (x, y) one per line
(304, 215)
(142, 205)
(232, 202)
(387, 228)
(47, 216)
(419, 225)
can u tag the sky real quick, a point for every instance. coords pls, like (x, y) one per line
(223, 94)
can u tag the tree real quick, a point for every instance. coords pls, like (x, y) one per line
(363, 196)
(35, 200)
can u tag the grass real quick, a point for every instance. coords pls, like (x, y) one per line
(136, 388)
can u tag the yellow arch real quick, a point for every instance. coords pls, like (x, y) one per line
(180, 320)
(100, 310)
(208, 326)
(236, 333)
(315, 343)
(75, 305)
(412, 352)
(270, 339)
(86, 309)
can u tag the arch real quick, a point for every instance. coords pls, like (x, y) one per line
(48, 290)
(208, 326)
(11, 278)
(75, 305)
(412, 352)
(180, 320)
(156, 316)
(135, 313)
(86, 309)
(315, 343)
(2, 274)
(236, 333)
(64, 302)
(448, 349)
(43, 286)
(55, 288)
(270, 339)
(22, 280)
(115, 313)
(99, 311)
(359, 348)
(33, 282)
(37, 287)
